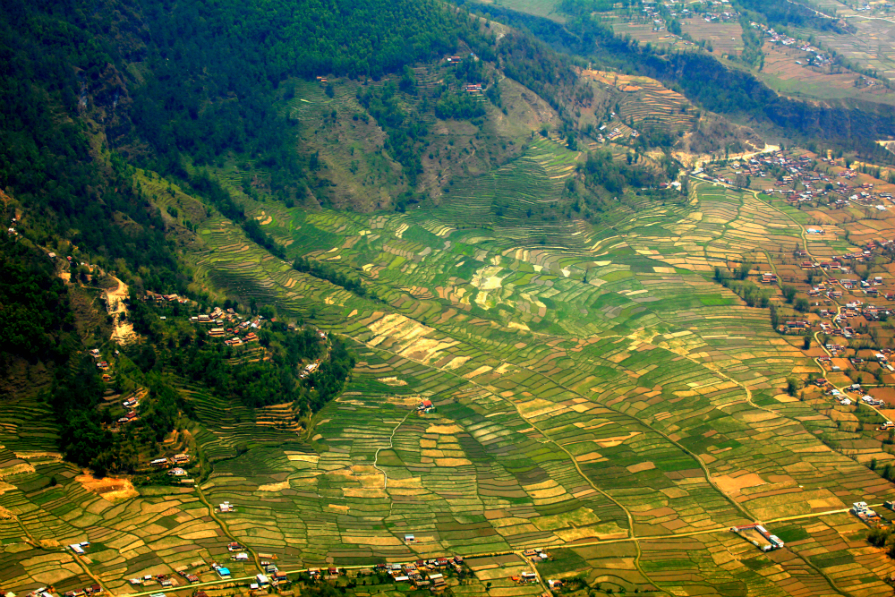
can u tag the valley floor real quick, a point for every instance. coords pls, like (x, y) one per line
(596, 394)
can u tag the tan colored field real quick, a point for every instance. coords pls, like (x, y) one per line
(643, 466)
(726, 38)
(734, 485)
(109, 488)
(444, 429)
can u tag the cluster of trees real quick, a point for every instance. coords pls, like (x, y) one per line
(171, 352)
(214, 193)
(324, 271)
(406, 132)
(602, 170)
(74, 397)
(752, 294)
(753, 39)
(789, 294)
(792, 14)
(884, 536)
(459, 106)
(189, 354)
(586, 7)
(37, 319)
(84, 436)
(255, 383)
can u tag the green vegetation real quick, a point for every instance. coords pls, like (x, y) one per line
(533, 340)
(38, 320)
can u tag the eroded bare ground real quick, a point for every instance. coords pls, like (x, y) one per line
(122, 330)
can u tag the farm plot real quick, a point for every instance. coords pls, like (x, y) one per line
(589, 390)
(725, 38)
(50, 509)
(736, 221)
(509, 197)
(648, 103)
(647, 33)
(869, 47)
(787, 71)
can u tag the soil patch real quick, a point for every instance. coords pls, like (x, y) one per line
(109, 488)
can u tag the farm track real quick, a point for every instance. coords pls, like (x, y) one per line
(742, 509)
(546, 425)
(561, 448)
(77, 558)
(804, 238)
(702, 465)
(816, 335)
(122, 331)
(518, 552)
(838, 306)
(223, 526)
(709, 479)
(391, 446)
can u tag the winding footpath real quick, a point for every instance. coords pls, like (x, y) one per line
(391, 445)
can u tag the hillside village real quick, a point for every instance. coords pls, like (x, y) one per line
(840, 304)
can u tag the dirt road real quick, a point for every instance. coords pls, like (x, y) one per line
(122, 332)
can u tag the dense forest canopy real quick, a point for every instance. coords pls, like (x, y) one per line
(46, 158)
(215, 67)
(37, 320)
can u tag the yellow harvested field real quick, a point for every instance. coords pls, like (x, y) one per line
(274, 486)
(735, 484)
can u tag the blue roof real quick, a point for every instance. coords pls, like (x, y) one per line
(224, 571)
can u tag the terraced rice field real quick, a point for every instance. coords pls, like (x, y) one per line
(596, 394)
(648, 103)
